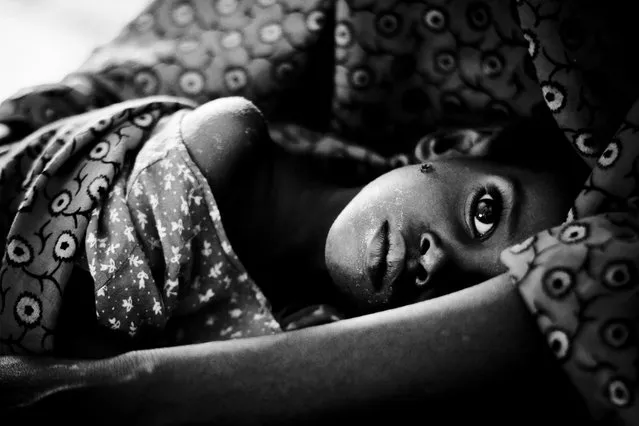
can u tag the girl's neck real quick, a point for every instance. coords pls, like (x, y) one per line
(303, 212)
(284, 225)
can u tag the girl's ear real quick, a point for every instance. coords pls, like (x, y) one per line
(449, 143)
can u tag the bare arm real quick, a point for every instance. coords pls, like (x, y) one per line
(469, 349)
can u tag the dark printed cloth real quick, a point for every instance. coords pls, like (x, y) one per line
(366, 77)
(374, 74)
(116, 192)
(581, 280)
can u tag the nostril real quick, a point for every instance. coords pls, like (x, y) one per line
(424, 245)
(422, 275)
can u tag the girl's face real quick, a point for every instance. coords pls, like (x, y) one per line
(420, 232)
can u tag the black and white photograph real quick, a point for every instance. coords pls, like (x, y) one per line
(319, 212)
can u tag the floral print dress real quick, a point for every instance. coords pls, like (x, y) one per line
(116, 192)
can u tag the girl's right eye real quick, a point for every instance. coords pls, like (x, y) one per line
(485, 212)
(485, 216)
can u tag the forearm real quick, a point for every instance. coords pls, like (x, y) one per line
(35, 387)
(462, 344)
(480, 343)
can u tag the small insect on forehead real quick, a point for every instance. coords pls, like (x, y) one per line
(426, 168)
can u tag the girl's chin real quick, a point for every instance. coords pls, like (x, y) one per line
(368, 301)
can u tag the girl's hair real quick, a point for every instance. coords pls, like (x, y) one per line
(538, 144)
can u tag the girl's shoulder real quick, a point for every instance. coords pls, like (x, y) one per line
(227, 139)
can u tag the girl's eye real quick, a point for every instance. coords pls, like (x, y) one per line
(485, 215)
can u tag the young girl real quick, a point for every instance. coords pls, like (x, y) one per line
(148, 224)
(578, 280)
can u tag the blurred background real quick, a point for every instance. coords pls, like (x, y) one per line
(43, 40)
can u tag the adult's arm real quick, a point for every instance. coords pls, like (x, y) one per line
(473, 354)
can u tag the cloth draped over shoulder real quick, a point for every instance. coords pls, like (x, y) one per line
(54, 182)
(115, 192)
(366, 79)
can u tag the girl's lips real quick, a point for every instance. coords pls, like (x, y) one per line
(385, 257)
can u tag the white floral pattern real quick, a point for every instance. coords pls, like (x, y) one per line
(138, 230)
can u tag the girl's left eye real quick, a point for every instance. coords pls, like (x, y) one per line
(485, 215)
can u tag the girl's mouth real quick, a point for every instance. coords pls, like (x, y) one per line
(385, 257)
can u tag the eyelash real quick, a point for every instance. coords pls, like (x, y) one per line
(498, 198)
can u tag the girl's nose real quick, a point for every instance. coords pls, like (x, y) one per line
(432, 258)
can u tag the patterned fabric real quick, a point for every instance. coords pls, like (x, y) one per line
(377, 74)
(587, 78)
(93, 191)
(157, 250)
(581, 280)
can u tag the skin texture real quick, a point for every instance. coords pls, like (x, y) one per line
(431, 210)
(381, 368)
(275, 210)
